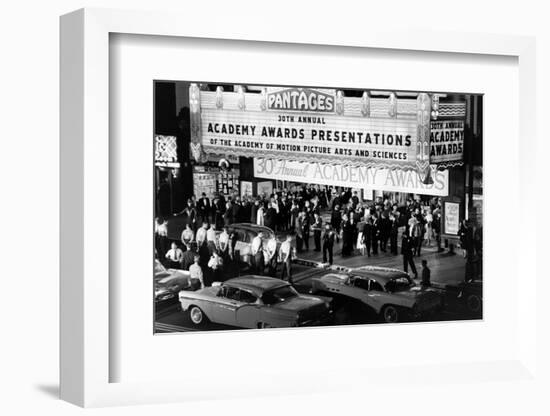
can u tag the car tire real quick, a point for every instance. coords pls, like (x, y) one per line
(263, 325)
(473, 303)
(390, 314)
(197, 316)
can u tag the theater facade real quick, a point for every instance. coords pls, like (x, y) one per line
(250, 140)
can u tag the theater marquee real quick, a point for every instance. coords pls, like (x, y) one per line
(314, 125)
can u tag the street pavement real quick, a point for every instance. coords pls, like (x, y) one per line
(446, 269)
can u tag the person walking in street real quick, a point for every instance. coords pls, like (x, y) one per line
(375, 234)
(317, 228)
(407, 252)
(303, 222)
(174, 256)
(347, 236)
(394, 231)
(285, 258)
(270, 258)
(336, 220)
(425, 274)
(256, 250)
(328, 244)
(196, 275)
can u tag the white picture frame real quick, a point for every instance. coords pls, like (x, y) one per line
(85, 204)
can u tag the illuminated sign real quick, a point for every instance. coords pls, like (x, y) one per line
(300, 99)
(166, 151)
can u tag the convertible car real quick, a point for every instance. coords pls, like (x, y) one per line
(390, 293)
(169, 282)
(255, 302)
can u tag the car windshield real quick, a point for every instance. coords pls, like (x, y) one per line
(279, 295)
(398, 284)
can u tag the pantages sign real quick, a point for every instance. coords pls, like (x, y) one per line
(313, 125)
(392, 180)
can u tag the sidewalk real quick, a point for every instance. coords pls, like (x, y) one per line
(445, 268)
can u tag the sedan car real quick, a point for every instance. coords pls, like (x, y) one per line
(254, 302)
(469, 295)
(244, 233)
(169, 282)
(390, 293)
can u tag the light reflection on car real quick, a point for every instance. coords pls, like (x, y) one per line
(255, 302)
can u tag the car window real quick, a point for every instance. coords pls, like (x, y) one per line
(240, 235)
(398, 284)
(361, 283)
(229, 292)
(246, 297)
(374, 285)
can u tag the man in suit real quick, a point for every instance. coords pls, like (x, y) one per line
(394, 230)
(367, 234)
(317, 228)
(256, 250)
(407, 252)
(328, 244)
(270, 216)
(203, 208)
(305, 226)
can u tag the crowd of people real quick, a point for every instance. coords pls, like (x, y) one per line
(364, 228)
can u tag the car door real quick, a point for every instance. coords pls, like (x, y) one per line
(223, 311)
(247, 314)
(376, 296)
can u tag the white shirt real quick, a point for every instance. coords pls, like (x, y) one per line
(201, 235)
(285, 250)
(271, 248)
(211, 235)
(175, 254)
(255, 246)
(195, 273)
(223, 240)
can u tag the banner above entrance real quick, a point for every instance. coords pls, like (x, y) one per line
(353, 176)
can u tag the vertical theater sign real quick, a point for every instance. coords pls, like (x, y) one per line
(322, 136)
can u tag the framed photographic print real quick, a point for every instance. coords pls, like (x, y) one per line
(296, 195)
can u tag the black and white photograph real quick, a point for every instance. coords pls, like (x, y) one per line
(280, 206)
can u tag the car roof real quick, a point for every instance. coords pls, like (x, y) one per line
(251, 227)
(258, 285)
(381, 274)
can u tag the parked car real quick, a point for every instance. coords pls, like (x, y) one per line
(469, 295)
(390, 293)
(255, 302)
(244, 233)
(169, 282)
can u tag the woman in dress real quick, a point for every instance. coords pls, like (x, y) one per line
(429, 229)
